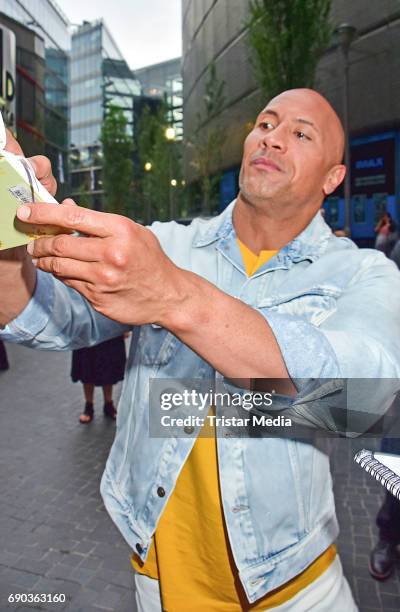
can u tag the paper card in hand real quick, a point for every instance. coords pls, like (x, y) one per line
(18, 185)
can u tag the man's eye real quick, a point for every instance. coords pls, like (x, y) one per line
(266, 125)
(302, 136)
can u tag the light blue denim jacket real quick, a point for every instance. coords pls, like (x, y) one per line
(335, 312)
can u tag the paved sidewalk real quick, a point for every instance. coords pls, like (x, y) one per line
(55, 534)
(358, 498)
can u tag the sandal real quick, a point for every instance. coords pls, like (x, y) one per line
(87, 415)
(109, 411)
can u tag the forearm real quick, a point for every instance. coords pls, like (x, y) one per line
(230, 335)
(17, 284)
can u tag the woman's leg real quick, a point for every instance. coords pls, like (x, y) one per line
(3, 357)
(108, 392)
(109, 408)
(87, 415)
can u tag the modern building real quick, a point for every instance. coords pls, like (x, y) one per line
(100, 77)
(162, 81)
(42, 48)
(215, 31)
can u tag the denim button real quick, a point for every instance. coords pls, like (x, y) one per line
(188, 429)
(139, 548)
(160, 492)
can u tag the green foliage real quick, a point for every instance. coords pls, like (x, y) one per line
(286, 39)
(159, 200)
(84, 193)
(208, 139)
(117, 162)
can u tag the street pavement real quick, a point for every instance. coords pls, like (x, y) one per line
(55, 535)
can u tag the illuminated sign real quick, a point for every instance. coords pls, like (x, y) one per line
(372, 167)
(374, 162)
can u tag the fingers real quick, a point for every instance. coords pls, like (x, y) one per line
(40, 163)
(42, 167)
(66, 246)
(63, 268)
(90, 222)
(12, 145)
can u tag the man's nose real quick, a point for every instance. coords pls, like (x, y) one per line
(275, 139)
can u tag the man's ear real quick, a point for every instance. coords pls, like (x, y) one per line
(334, 177)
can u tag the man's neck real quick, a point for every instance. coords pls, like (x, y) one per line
(270, 227)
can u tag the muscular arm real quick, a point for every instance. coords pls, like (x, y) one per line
(124, 274)
(219, 328)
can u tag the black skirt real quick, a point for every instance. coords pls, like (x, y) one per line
(100, 365)
(3, 357)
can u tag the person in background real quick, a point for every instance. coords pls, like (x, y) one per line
(395, 253)
(4, 365)
(103, 366)
(386, 235)
(383, 556)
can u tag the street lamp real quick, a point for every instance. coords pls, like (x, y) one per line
(148, 168)
(170, 133)
(346, 34)
(170, 136)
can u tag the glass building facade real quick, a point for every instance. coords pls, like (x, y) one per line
(42, 99)
(99, 77)
(164, 81)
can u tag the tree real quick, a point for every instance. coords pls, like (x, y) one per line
(286, 39)
(117, 162)
(153, 148)
(208, 138)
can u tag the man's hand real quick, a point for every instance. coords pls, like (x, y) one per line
(40, 163)
(16, 269)
(119, 266)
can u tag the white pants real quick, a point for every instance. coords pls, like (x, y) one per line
(329, 593)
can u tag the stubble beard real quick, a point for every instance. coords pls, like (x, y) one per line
(255, 191)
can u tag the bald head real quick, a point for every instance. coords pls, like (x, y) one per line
(323, 115)
(294, 153)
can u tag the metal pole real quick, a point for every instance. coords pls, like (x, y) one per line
(147, 208)
(171, 203)
(346, 34)
(347, 179)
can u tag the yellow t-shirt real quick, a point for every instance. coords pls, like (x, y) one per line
(190, 554)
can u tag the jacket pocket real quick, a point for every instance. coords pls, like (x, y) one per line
(156, 345)
(315, 304)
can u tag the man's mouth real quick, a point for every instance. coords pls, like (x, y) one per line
(265, 162)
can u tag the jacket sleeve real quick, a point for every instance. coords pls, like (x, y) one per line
(347, 370)
(59, 318)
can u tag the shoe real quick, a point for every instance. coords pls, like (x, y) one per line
(87, 415)
(381, 560)
(109, 411)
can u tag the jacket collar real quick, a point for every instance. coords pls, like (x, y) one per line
(310, 244)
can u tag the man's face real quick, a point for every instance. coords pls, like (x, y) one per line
(294, 151)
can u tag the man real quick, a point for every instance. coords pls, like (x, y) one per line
(264, 291)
